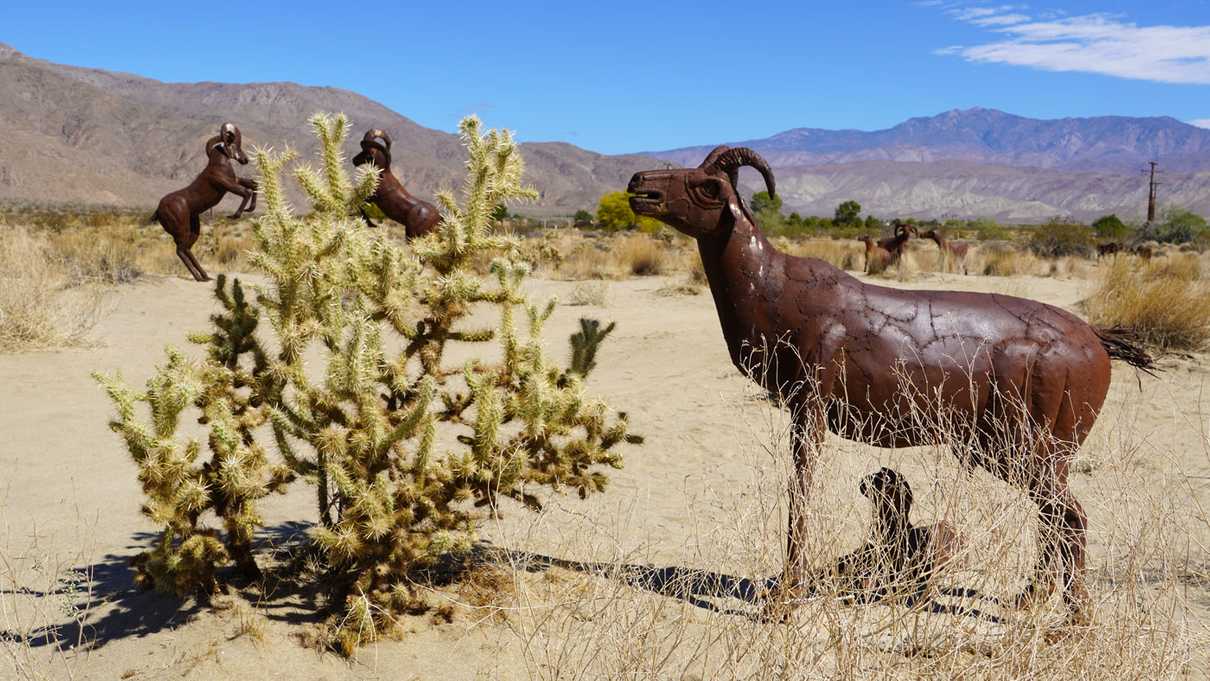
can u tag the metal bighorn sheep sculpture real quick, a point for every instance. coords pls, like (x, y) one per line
(953, 253)
(180, 212)
(881, 254)
(864, 362)
(418, 217)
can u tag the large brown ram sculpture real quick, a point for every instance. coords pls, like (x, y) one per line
(1018, 383)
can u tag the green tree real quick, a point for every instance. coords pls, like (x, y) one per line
(583, 217)
(1180, 226)
(500, 212)
(873, 224)
(614, 214)
(1110, 227)
(762, 203)
(847, 214)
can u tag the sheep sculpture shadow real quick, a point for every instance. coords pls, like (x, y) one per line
(417, 217)
(1018, 382)
(179, 212)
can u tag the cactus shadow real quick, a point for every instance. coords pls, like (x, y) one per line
(104, 605)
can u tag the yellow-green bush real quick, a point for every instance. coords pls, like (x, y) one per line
(390, 505)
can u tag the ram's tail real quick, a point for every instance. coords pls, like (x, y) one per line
(155, 217)
(1124, 344)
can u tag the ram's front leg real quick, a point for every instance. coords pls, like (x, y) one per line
(237, 187)
(252, 186)
(807, 435)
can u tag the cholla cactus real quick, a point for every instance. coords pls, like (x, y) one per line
(364, 428)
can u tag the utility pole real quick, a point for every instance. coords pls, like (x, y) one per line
(1151, 194)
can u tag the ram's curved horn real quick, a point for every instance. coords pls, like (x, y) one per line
(713, 156)
(731, 160)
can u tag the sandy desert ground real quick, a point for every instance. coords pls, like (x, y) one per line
(700, 498)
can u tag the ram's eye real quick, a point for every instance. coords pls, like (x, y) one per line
(710, 190)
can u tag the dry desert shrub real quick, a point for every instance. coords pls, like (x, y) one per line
(42, 304)
(587, 259)
(640, 255)
(1005, 261)
(843, 253)
(1164, 301)
(594, 293)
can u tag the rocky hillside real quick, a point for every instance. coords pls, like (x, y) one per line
(78, 135)
(75, 135)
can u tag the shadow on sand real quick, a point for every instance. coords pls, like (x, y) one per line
(108, 606)
(112, 607)
(695, 586)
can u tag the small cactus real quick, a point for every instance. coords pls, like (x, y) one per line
(584, 344)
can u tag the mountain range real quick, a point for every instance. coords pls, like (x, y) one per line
(75, 135)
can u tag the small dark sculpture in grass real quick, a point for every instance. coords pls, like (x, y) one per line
(1017, 384)
(417, 217)
(180, 212)
(900, 561)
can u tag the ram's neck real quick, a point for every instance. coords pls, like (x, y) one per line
(738, 261)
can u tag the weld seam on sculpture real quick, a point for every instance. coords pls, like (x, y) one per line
(1033, 383)
(179, 212)
(417, 217)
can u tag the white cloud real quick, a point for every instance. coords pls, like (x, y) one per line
(1093, 43)
(1201, 122)
(1001, 20)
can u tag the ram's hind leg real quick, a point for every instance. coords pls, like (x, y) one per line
(195, 230)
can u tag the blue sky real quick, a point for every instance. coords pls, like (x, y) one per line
(618, 77)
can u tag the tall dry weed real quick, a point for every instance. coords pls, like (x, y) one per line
(592, 601)
(1164, 301)
(42, 304)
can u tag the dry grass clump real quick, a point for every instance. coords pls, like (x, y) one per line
(641, 255)
(42, 304)
(586, 259)
(842, 253)
(594, 293)
(120, 251)
(1165, 302)
(1006, 261)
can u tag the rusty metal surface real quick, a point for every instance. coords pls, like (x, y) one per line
(418, 217)
(179, 212)
(864, 361)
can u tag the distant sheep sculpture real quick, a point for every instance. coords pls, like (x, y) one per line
(417, 217)
(953, 253)
(180, 211)
(881, 254)
(1019, 383)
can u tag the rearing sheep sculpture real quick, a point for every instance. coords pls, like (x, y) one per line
(417, 217)
(861, 360)
(180, 212)
(881, 254)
